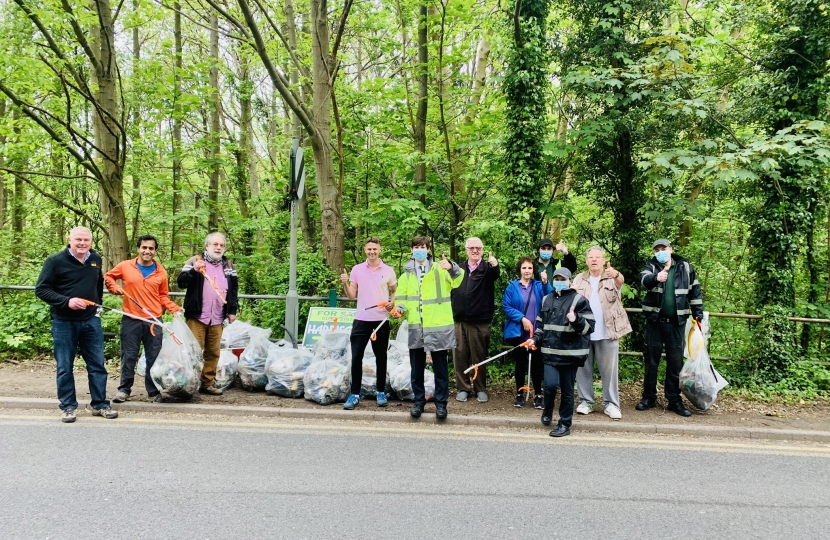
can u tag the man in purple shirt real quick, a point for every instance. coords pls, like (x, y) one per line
(208, 302)
(373, 283)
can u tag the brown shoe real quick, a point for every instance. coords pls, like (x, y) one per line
(210, 390)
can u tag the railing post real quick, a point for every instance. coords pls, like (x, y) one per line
(332, 297)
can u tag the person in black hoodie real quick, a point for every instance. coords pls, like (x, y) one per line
(67, 280)
(473, 305)
(563, 331)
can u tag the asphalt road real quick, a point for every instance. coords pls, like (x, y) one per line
(199, 477)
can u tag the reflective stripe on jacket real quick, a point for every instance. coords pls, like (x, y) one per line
(562, 342)
(687, 293)
(427, 306)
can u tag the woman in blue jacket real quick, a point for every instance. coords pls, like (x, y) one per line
(521, 303)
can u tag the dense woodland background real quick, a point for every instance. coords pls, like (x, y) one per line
(593, 122)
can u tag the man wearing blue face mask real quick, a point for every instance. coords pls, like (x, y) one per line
(546, 264)
(673, 294)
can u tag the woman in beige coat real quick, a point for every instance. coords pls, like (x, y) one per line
(601, 286)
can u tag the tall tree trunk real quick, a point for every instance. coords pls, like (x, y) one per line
(136, 121)
(19, 163)
(213, 128)
(3, 138)
(330, 194)
(177, 126)
(813, 270)
(419, 134)
(109, 136)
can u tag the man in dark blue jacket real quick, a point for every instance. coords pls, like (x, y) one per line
(673, 294)
(563, 331)
(67, 279)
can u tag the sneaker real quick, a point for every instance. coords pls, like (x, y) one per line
(106, 412)
(539, 402)
(382, 399)
(584, 408)
(520, 401)
(68, 416)
(352, 402)
(121, 397)
(613, 411)
(483, 397)
(461, 396)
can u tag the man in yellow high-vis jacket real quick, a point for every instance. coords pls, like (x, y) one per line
(423, 297)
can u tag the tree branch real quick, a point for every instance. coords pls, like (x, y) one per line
(60, 202)
(291, 52)
(80, 35)
(341, 27)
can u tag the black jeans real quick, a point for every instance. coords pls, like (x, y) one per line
(133, 334)
(556, 378)
(658, 334)
(418, 363)
(520, 356)
(361, 336)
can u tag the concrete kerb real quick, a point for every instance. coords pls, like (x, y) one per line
(457, 420)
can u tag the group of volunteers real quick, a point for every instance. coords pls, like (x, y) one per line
(558, 325)
(72, 283)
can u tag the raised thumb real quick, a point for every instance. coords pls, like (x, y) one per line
(444, 256)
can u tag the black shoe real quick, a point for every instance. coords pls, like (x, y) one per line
(538, 403)
(520, 401)
(646, 404)
(560, 431)
(678, 408)
(547, 418)
(440, 411)
(416, 411)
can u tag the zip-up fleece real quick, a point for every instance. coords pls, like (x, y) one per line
(194, 282)
(427, 305)
(687, 293)
(151, 292)
(562, 342)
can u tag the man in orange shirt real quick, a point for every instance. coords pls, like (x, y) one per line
(146, 281)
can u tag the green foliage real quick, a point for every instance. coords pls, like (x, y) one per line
(773, 347)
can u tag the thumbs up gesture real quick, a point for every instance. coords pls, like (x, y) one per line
(611, 272)
(445, 264)
(492, 260)
(571, 315)
(344, 277)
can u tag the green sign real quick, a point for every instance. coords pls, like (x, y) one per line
(321, 320)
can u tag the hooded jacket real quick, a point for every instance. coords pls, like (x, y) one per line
(427, 305)
(562, 342)
(687, 293)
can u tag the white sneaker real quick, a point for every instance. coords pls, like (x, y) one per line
(584, 408)
(613, 411)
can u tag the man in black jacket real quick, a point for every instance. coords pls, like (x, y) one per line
(67, 280)
(563, 331)
(208, 302)
(546, 264)
(673, 293)
(473, 304)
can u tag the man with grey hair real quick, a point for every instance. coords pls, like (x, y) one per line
(473, 305)
(601, 286)
(68, 282)
(212, 288)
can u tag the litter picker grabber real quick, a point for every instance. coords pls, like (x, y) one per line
(394, 313)
(527, 388)
(212, 282)
(474, 367)
(153, 322)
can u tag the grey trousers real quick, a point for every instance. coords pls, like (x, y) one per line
(606, 352)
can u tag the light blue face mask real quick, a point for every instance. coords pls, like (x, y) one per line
(560, 285)
(545, 255)
(662, 256)
(419, 254)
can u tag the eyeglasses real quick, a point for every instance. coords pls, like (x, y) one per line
(474, 248)
(215, 244)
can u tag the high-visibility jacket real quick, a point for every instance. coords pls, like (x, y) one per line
(687, 293)
(564, 343)
(427, 306)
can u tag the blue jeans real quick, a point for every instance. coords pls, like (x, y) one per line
(67, 336)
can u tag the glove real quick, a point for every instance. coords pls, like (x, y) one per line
(529, 345)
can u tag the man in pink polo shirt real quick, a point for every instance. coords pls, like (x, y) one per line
(372, 283)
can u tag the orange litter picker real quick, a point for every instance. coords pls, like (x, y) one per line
(212, 282)
(474, 367)
(394, 313)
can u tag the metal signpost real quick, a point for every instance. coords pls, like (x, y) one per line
(296, 186)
